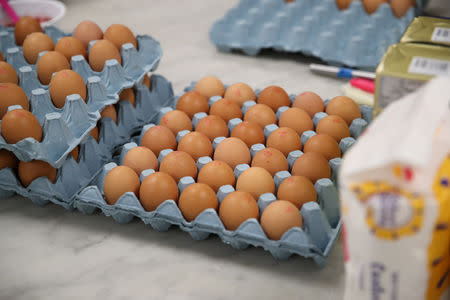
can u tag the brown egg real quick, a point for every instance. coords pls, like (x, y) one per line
(216, 174)
(35, 43)
(140, 159)
(195, 199)
(274, 97)
(232, 151)
(8, 159)
(109, 112)
(344, 107)
(400, 7)
(372, 5)
(94, 133)
(29, 171)
(236, 208)
(24, 26)
(7, 73)
(12, 94)
(87, 31)
(343, 4)
(176, 120)
(178, 164)
(102, 51)
(50, 63)
(309, 102)
(262, 114)
(19, 124)
(212, 127)
(256, 181)
(147, 82)
(240, 93)
(70, 46)
(297, 119)
(298, 190)
(158, 138)
(118, 181)
(226, 109)
(192, 103)
(323, 144)
(157, 188)
(334, 126)
(1, 56)
(312, 165)
(128, 95)
(284, 139)
(65, 83)
(210, 86)
(278, 217)
(270, 159)
(75, 153)
(249, 132)
(196, 144)
(119, 34)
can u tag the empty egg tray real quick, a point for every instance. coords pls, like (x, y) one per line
(349, 37)
(321, 220)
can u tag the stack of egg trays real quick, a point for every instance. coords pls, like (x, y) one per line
(321, 220)
(349, 37)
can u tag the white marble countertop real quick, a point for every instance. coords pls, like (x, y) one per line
(50, 253)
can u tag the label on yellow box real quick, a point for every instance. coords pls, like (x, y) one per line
(428, 30)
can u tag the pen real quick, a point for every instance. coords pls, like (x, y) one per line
(340, 72)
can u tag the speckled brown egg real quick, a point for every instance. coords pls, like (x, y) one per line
(343, 4)
(119, 34)
(24, 26)
(309, 102)
(232, 151)
(19, 124)
(270, 159)
(278, 217)
(157, 188)
(212, 127)
(102, 51)
(400, 7)
(1, 56)
(323, 144)
(7, 73)
(176, 120)
(29, 171)
(178, 164)
(210, 86)
(94, 133)
(35, 43)
(118, 181)
(297, 119)
(240, 93)
(274, 97)
(236, 208)
(284, 139)
(262, 114)
(298, 190)
(256, 181)
(312, 165)
(249, 132)
(195, 199)
(216, 174)
(344, 107)
(147, 82)
(50, 63)
(12, 94)
(372, 5)
(70, 46)
(140, 159)
(226, 109)
(196, 144)
(128, 95)
(87, 31)
(192, 103)
(75, 153)
(8, 159)
(334, 126)
(109, 112)
(65, 83)
(158, 138)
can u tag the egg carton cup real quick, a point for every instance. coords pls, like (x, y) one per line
(349, 37)
(71, 178)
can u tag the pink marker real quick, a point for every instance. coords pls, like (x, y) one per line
(9, 11)
(363, 84)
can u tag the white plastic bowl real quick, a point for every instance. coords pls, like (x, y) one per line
(54, 10)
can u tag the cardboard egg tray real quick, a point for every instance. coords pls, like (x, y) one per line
(349, 37)
(321, 220)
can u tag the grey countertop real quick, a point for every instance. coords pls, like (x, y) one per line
(50, 253)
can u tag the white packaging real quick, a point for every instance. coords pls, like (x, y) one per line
(395, 201)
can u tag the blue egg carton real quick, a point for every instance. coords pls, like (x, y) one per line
(318, 28)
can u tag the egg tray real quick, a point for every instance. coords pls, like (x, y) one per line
(116, 77)
(349, 37)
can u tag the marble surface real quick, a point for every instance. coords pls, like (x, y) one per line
(50, 253)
